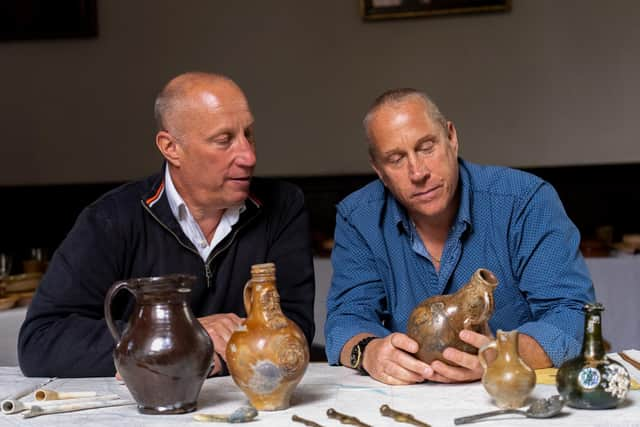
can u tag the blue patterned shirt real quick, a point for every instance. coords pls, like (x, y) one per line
(509, 222)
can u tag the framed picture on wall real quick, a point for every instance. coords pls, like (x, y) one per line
(373, 10)
(47, 19)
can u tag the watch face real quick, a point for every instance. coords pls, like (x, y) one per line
(355, 356)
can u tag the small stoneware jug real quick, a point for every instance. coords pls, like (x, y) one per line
(592, 380)
(268, 355)
(436, 322)
(164, 354)
(508, 379)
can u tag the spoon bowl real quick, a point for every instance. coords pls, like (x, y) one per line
(540, 408)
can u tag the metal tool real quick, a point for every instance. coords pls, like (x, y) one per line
(541, 408)
(345, 419)
(401, 417)
(304, 421)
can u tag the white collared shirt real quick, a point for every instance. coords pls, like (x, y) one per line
(190, 226)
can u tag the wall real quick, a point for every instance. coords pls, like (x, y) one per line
(550, 83)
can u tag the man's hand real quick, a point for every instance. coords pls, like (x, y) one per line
(220, 327)
(390, 360)
(469, 369)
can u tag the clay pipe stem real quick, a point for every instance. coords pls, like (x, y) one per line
(15, 406)
(401, 417)
(45, 394)
(37, 410)
(22, 393)
(304, 421)
(345, 419)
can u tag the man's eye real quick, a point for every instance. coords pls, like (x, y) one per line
(426, 147)
(222, 141)
(395, 159)
(248, 133)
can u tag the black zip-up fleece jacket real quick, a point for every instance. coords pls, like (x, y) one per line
(131, 232)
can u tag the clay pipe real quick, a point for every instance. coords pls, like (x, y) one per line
(37, 410)
(10, 401)
(45, 394)
(401, 417)
(15, 406)
(304, 421)
(345, 419)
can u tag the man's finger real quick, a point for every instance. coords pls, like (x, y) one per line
(466, 360)
(475, 339)
(403, 342)
(455, 374)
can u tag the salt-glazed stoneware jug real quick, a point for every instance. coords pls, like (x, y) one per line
(436, 322)
(268, 355)
(508, 379)
(164, 354)
(592, 380)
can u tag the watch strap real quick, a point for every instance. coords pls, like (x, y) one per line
(358, 352)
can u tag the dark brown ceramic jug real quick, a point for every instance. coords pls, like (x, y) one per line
(268, 355)
(164, 354)
(437, 321)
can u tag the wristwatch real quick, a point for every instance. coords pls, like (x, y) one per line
(357, 355)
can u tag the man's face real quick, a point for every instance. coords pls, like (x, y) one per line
(215, 146)
(416, 159)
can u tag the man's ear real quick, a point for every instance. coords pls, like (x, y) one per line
(168, 147)
(372, 162)
(452, 134)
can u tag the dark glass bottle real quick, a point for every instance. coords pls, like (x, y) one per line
(592, 380)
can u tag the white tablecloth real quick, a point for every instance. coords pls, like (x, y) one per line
(322, 387)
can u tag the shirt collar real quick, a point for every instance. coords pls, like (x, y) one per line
(179, 207)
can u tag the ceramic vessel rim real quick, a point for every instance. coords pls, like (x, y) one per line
(180, 278)
(487, 277)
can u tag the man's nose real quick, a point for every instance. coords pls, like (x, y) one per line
(246, 155)
(418, 170)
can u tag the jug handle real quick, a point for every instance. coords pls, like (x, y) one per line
(107, 307)
(481, 358)
(247, 296)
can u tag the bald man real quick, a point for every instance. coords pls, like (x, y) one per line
(204, 214)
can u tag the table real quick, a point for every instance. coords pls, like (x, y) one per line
(322, 387)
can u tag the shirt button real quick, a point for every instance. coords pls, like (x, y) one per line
(203, 244)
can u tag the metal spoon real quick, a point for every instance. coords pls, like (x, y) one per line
(540, 408)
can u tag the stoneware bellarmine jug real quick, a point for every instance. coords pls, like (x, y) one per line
(436, 322)
(267, 355)
(164, 354)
